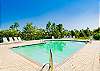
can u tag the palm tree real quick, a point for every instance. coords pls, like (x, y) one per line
(14, 26)
(72, 33)
(77, 33)
(28, 31)
(48, 26)
(60, 29)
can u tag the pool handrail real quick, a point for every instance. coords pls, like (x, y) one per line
(44, 67)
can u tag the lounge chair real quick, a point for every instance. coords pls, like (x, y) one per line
(73, 36)
(15, 39)
(5, 40)
(19, 39)
(64, 36)
(52, 37)
(10, 39)
(67, 36)
(70, 36)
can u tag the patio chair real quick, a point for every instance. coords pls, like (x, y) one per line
(5, 40)
(64, 36)
(10, 39)
(16, 40)
(19, 39)
(52, 37)
(73, 36)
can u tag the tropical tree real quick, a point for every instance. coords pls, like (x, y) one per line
(66, 32)
(53, 29)
(60, 29)
(29, 32)
(56, 33)
(96, 34)
(9, 33)
(81, 34)
(48, 29)
(14, 26)
(77, 33)
(72, 33)
(96, 31)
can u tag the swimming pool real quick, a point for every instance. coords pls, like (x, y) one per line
(40, 52)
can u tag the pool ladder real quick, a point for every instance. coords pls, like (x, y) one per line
(49, 67)
(44, 67)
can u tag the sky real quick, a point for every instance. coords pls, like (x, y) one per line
(99, 13)
(73, 14)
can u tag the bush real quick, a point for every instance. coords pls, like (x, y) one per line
(97, 36)
(1, 40)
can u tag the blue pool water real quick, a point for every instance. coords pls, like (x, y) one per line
(40, 52)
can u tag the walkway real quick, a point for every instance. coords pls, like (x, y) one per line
(87, 59)
(10, 61)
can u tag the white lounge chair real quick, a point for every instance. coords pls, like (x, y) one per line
(64, 36)
(70, 36)
(15, 39)
(5, 40)
(73, 36)
(19, 39)
(52, 37)
(10, 39)
(67, 36)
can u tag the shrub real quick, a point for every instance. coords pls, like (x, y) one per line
(97, 36)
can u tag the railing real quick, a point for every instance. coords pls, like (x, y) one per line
(44, 67)
(58, 69)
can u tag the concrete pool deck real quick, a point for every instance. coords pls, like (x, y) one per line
(86, 59)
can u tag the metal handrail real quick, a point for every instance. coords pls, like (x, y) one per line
(50, 63)
(44, 67)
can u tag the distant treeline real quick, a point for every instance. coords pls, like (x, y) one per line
(30, 32)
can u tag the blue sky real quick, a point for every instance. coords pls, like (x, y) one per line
(71, 13)
(99, 13)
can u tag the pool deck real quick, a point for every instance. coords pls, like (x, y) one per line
(86, 59)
